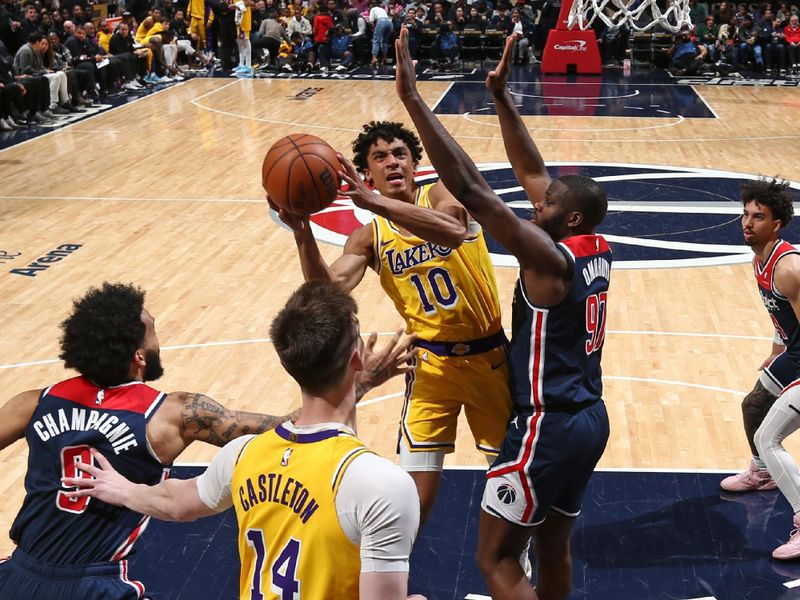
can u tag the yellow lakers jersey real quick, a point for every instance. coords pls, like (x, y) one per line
(444, 294)
(290, 542)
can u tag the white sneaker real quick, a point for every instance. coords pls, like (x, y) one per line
(5, 125)
(341, 68)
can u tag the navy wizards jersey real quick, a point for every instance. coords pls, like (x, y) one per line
(779, 308)
(562, 344)
(71, 417)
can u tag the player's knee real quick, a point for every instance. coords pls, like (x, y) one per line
(756, 405)
(766, 441)
(486, 560)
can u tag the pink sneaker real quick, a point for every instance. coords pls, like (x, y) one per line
(752, 480)
(791, 549)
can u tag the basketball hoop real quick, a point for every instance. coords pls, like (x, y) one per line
(615, 13)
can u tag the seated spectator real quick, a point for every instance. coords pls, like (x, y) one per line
(300, 55)
(359, 36)
(791, 34)
(475, 20)
(30, 22)
(523, 28)
(707, 34)
(750, 46)
(501, 19)
(148, 35)
(86, 59)
(299, 24)
(770, 37)
(784, 14)
(413, 26)
(459, 20)
(686, 56)
(742, 14)
(58, 58)
(336, 13)
(26, 97)
(29, 61)
(78, 17)
(445, 47)
(121, 46)
(436, 16)
(339, 49)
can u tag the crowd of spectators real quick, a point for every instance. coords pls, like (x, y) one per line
(763, 37)
(723, 38)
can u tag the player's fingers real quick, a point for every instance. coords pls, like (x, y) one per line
(80, 482)
(100, 459)
(373, 337)
(86, 468)
(78, 493)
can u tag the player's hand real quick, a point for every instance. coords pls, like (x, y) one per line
(106, 484)
(297, 223)
(357, 190)
(381, 365)
(406, 79)
(497, 80)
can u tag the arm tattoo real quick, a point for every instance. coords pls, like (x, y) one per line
(207, 420)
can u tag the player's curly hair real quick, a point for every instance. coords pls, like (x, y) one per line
(772, 193)
(103, 332)
(387, 131)
(314, 335)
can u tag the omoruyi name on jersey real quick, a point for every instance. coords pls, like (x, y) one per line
(273, 488)
(117, 432)
(597, 267)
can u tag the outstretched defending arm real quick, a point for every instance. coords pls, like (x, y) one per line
(533, 247)
(525, 159)
(15, 415)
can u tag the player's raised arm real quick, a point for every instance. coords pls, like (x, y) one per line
(525, 159)
(533, 248)
(15, 415)
(348, 270)
(446, 226)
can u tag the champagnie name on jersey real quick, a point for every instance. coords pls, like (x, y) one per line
(118, 433)
(269, 487)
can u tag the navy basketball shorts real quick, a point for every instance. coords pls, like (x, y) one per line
(778, 374)
(545, 464)
(22, 578)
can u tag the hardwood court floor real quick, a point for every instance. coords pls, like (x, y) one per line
(166, 193)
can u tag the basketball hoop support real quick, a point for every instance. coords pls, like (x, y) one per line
(567, 47)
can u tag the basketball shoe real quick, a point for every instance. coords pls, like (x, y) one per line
(791, 549)
(752, 480)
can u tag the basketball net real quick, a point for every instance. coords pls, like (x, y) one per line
(615, 13)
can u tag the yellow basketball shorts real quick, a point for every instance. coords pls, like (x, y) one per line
(198, 27)
(437, 387)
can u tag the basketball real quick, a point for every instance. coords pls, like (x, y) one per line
(300, 173)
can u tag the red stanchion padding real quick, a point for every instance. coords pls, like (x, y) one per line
(565, 48)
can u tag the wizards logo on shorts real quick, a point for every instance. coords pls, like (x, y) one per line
(657, 216)
(506, 494)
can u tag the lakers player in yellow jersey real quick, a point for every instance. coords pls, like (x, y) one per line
(320, 516)
(433, 263)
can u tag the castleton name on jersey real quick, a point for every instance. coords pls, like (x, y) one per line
(411, 257)
(272, 487)
(117, 432)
